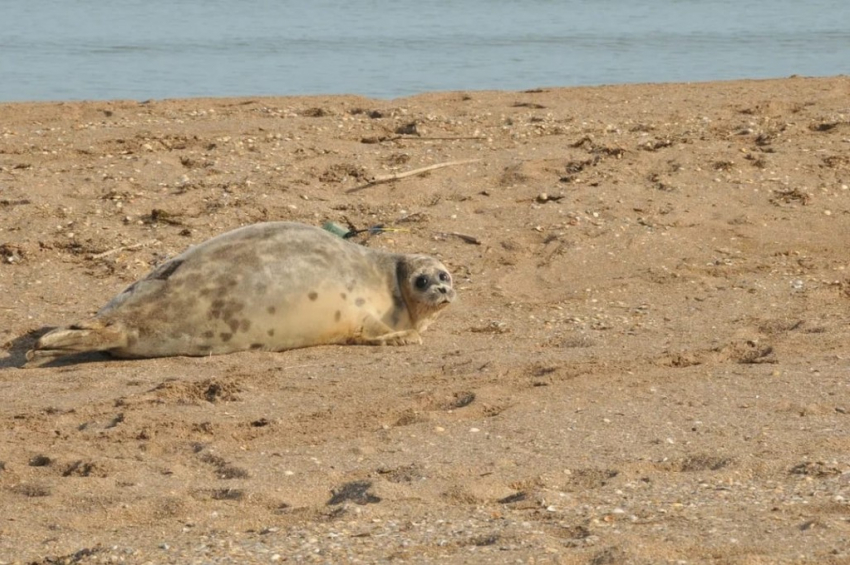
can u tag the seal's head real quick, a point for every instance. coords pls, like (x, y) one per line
(426, 287)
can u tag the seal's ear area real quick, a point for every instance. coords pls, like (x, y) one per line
(408, 271)
(401, 272)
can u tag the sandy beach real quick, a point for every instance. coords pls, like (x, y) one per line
(648, 361)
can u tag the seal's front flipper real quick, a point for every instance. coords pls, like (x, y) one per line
(79, 338)
(375, 332)
(404, 337)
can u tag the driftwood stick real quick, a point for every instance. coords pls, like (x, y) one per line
(398, 176)
(462, 236)
(125, 248)
(439, 138)
(379, 139)
(467, 238)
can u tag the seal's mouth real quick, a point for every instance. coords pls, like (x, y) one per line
(445, 299)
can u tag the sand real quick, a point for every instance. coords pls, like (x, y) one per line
(648, 361)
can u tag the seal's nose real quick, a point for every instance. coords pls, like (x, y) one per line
(443, 289)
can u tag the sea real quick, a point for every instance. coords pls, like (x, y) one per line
(156, 49)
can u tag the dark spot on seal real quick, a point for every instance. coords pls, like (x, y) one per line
(231, 309)
(166, 270)
(270, 332)
(208, 334)
(343, 295)
(226, 282)
(271, 310)
(215, 309)
(360, 302)
(225, 336)
(261, 288)
(313, 295)
(256, 346)
(245, 325)
(338, 315)
(234, 325)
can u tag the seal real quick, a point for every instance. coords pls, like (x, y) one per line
(271, 286)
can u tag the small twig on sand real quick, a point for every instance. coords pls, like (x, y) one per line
(125, 248)
(436, 138)
(381, 139)
(466, 238)
(398, 176)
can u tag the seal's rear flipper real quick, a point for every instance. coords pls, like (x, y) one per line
(79, 338)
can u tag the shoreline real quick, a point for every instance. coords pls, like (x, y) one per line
(730, 81)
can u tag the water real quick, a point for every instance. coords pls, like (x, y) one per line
(142, 49)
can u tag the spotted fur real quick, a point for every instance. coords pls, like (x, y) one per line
(270, 286)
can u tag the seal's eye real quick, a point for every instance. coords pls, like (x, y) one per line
(421, 282)
(444, 276)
